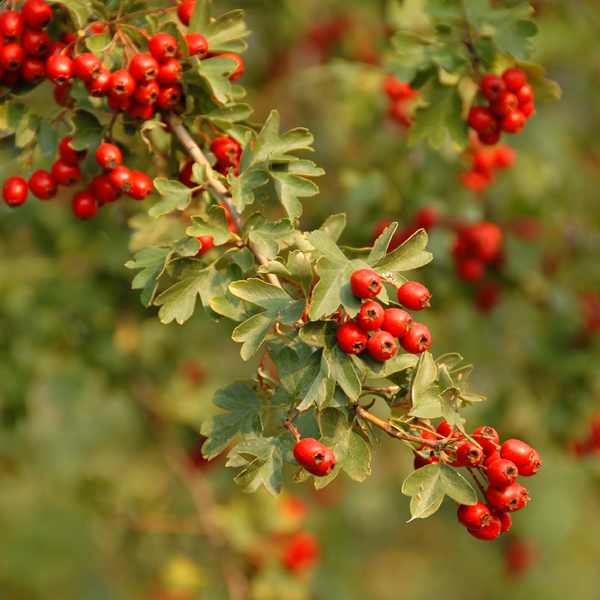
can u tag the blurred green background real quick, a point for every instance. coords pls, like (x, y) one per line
(97, 398)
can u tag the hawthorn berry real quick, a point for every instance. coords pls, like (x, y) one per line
(62, 95)
(146, 93)
(475, 516)
(87, 66)
(36, 14)
(35, 43)
(121, 178)
(397, 322)
(14, 191)
(316, 458)
(505, 519)
(123, 85)
(414, 296)
(197, 45)
(505, 105)
(382, 346)
(518, 452)
(397, 89)
(488, 439)
(11, 57)
(489, 532)
(482, 120)
(185, 10)
(525, 95)
(477, 181)
(103, 190)
(470, 269)
(33, 70)
(484, 159)
(507, 499)
(302, 552)
(469, 455)
(370, 316)
(532, 468)
(417, 340)
(55, 48)
(168, 97)
(141, 112)
(141, 186)
(98, 88)
(502, 473)
(444, 429)
(239, 69)
(68, 153)
(226, 150)
(143, 67)
(505, 157)
(65, 173)
(42, 185)
(528, 109)
(59, 69)
(430, 436)
(513, 122)
(492, 87)
(487, 295)
(108, 156)
(84, 205)
(10, 78)
(427, 217)
(11, 25)
(169, 72)
(207, 242)
(365, 284)
(119, 105)
(163, 46)
(352, 338)
(514, 79)
(419, 461)
(489, 138)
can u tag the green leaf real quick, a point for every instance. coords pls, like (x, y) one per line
(174, 194)
(291, 187)
(319, 333)
(80, 11)
(300, 269)
(215, 225)
(47, 141)
(410, 255)
(242, 187)
(265, 236)
(424, 396)
(231, 114)
(214, 72)
(200, 19)
(88, 130)
(224, 33)
(450, 404)
(456, 486)
(343, 371)
(334, 226)
(426, 491)
(381, 244)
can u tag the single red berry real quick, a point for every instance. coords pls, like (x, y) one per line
(87, 66)
(414, 296)
(226, 150)
(490, 138)
(185, 177)
(42, 186)
(503, 107)
(382, 346)
(514, 79)
(55, 48)
(98, 88)
(487, 295)
(370, 316)
(514, 122)
(11, 57)
(492, 87)
(65, 173)
(162, 46)
(68, 37)
(477, 181)
(123, 85)
(62, 94)
(397, 322)
(146, 93)
(365, 284)
(475, 516)
(528, 109)
(485, 240)
(427, 217)
(507, 499)
(302, 552)
(502, 473)
(14, 191)
(141, 186)
(84, 205)
(444, 428)
(427, 435)
(121, 178)
(469, 455)
(143, 67)
(141, 112)
(119, 104)
(33, 70)
(197, 45)
(470, 269)
(422, 462)
(484, 159)
(532, 468)
(397, 89)
(490, 532)
(505, 157)
(207, 242)
(168, 97)
(35, 43)
(505, 519)
(59, 69)
(185, 10)
(36, 14)
(417, 340)
(519, 452)
(482, 120)
(352, 338)
(525, 95)
(488, 439)
(169, 72)
(316, 458)
(11, 25)
(98, 28)
(108, 156)
(103, 190)
(68, 153)
(239, 69)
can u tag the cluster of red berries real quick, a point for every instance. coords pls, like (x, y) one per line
(510, 100)
(485, 161)
(477, 246)
(400, 95)
(104, 189)
(227, 152)
(353, 336)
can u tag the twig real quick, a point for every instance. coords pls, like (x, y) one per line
(385, 390)
(260, 373)
(292, 428)
(476, 481)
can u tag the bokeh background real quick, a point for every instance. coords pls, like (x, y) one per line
(100, 404)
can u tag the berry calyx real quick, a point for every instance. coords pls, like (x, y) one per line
(397, 322)
(382, 346)
(14, 191)
(370, 316)
(414, 296)
(487, 438)
(365, 284)
(65, 173)
(42, 185)
(316, 458)
(98, 88)
(507, 499)
(68, 153)
(518, 452)
(87, 66)
(197, 45)
(532, 468)
(417, 340)
(143, 67)
(490, 532)
(475, 516)
(514, 79)
(36, 14)
(492, 87)
(59, 69)
(84, 205)
(502, 473)
(141, 186)
(108, 156)
(162, 46)
(352, 338)
(469, 455)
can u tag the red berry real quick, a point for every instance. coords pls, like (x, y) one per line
(470, 269)
(513, 122)
(525, 95)
(119, 104)
(207, 242)
(169, 72)
(482, 120)
(146, 93)
(35, 43)
(427, 435)
(87, 66)
(365, 284)
(492, 87)
(11, 25)
(185, 10)
(514, 79)
(84, 206)
(422, 462)
(487, 295)
(352, 338)
(143, 67)
(397, 322)
(98, 88)
(490, 138)
(414, 296)
(507, 499)
(487, 438)
(168, 97)
(121, 178)
(505, 519)
(68, 37)
(11, 57)
(484, 159)
(36, 14)
(62, 95)
(123, 85)
(507, 103)
(108, 156)
(484, 240)
(33, 70)
(226, 151)
(141, 186)
(427, 217)
(42, 185)
(398, 90)
(502, 473)
(469, 455)
(103, 190)
(491, 458)
(370, 316)
(162, 46)
(475, 516)
(417, 340)
(239, 69)
(14, 191)
(68, 153)
(490, 532)
(528, 109)
(444, 428)
(65, 173)
(316, 458)
(185, 177)
(97, 28)
(382, 346)
(519, 452)
(141, 112)
(302, 551)
(477, 181)
(55, 48)
(532, 468)
(197, 45)
(505, 157)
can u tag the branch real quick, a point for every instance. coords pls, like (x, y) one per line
(196, 153)
(468, 41)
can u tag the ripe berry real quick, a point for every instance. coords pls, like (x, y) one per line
(484, 240)
(487, 438)
(62, 94)
(519, 452)
(68, 37)
(492, 87)
(42, 185)
(352, 338)
(417, 340)
(370, 316)
(239, 69)
(302, 552)
(470, 269)
(55, 48)
(103, 190)
(422, 462)
(14, 191)
(11, 57)
(477, 181)
(502, 473)
(141, 112)
(427, 435)
(484, 159)
(382, 346)
(119, 104)
(444, 428)
(532, 468)
(507, 103)
(122, 84)
(489, 138)
(146, 93)
(469, 455)
(185, 10)
(98, 88)
(87, 66)
(143, 67)
(35, 43)
(108, 156)
(84, 206)
(490, 532)
(168, 97)
(162, 46)
(36, 14)
(514, 79)
(481, 120)
(316, 458)
(33, 70)
(65, 173)
(68, 153)
(11, 25)
(528, 109)
(397, 89)
(197, 45)
(414, 296)
(487, 295)
(505, 519)
(59, 69)
(226, 150)
(525, 95)
(475, 516)
(365, 284)
(185, 176)
(505, 157)
(169, 72)
(207, 242)
(396, 322)
(141, 186)
(507, 499)
(513, 122)
(427, 217)
(121, 178)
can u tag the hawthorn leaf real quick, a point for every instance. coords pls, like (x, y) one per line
(381, 244)
(334, 226)
(319, 333)
(343, 371)
(267, 138)
(425, 400)
(266, 235)
(174, 194)
(426, 490)
(456, 486)
(242, 187)
(289, 188)
(410, 255)
(214, 73)
(214, 225)
(87, 130)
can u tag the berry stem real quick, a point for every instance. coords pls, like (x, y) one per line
(292, 428)
(476, 481)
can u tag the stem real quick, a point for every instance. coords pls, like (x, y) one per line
(468, 41)
(292, 429)
(385, 390)
(476, 480)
